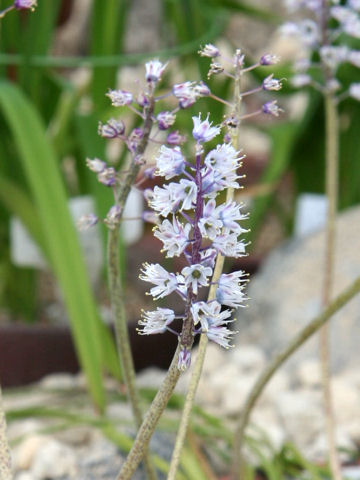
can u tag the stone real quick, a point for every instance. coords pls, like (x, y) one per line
(317, 451)
(301, 414)
(346, 401)
(23, 455)
(215, 358)
(309, 373)
(59, 381)
(54, 460)
(286, 295)
(248, 358)
(151, 377)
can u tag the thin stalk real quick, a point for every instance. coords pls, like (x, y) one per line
(332, 165)
(5, 459)
(116, 291)
(297, 341)
(331, 183)
(150, 420)
(196, 374)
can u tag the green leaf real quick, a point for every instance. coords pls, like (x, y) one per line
(49, 197)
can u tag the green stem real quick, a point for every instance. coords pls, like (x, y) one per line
(151, 419)
(116, 291)
(298, 340)
(332, 165)
(200, 357)
(5, 459)
(5, 11)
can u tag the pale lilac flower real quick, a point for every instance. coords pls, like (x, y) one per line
(165, 120)
(185, 192)
(229, 245)
(175, 138)
(154, 70)
(354, 91)
(271, 83)
(113, 217)
(209, 51)
(170, 162)
(352, 27)
(354, 57)
(333, 56)
(185, 89)
(196, 275)
(165, 282)
(301, 80)
(208, 257)
(95, 165)
(107, 177)
(119, 98)
(223, 157)
(229, 214)
(220, 334)
(309, 32)
(209, 313)
(203, 131)
(111, 129)
(25, 4)
(269, 59)
(230, 289)
(174, 235)
(87, 221)
(210, 224)
(162, 200)
(156, 321)
(184, 359)
(185, 93)
(272, 108)
(355, 4)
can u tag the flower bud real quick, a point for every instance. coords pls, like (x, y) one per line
(111, 129)
(165, 120)
(175, 138)
(119, 98)
(25, 4)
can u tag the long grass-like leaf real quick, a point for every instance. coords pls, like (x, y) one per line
(49, 197)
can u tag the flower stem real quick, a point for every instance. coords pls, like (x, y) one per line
(5, 459)
(200, 357)
(116, 291)
(332, 164)
(5, 11)
(297, 341)
(150, 420)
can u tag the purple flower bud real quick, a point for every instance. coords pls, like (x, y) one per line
(107, 177)
(150, 217)
(271, 83)
(174, 138)
(215, 69)
(227, 138)
(96, 165)
(119, 98)
(187, 102)
(271, 108)
(209, 51)
(149, 172)
(202, 90)
(134, 139)
(25, 4)
(142, 100)
(154, 70)
(113, 216)
(87, 221)
(184, 359)
(239, 59)
(301, 80)
(269, 59)
(111, 129)
(165, 120)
